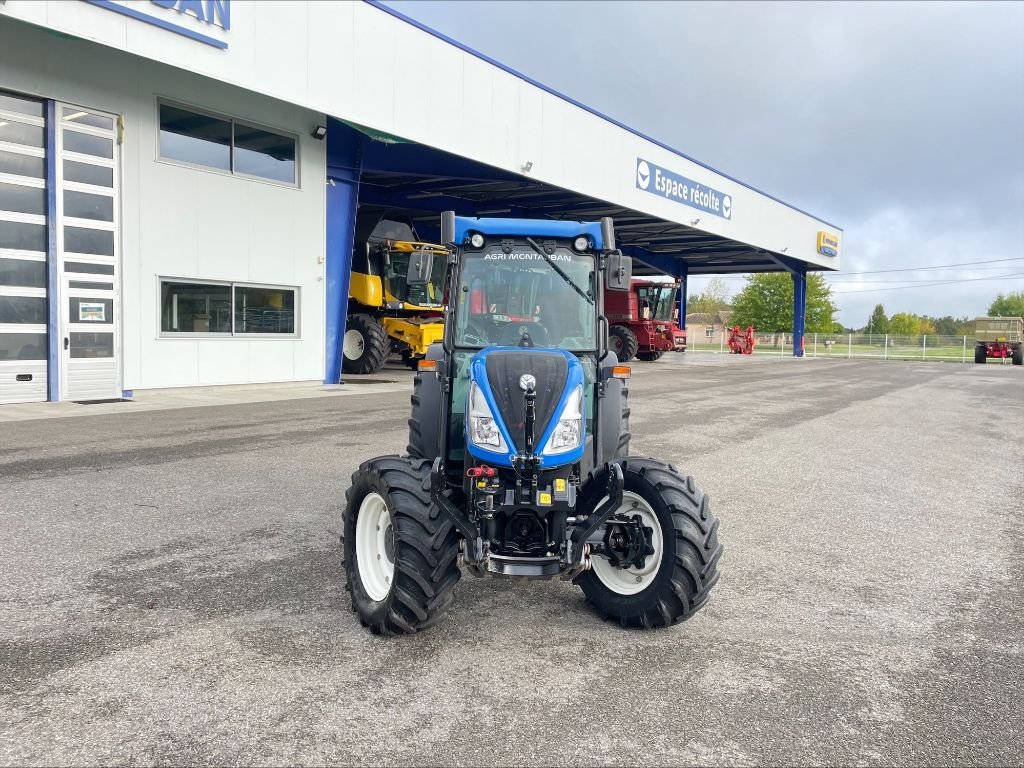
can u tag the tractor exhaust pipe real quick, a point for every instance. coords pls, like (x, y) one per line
(448, 228)
(608, 233)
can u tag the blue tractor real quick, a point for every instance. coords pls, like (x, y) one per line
(518, 460)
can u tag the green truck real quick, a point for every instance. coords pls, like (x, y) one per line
(1000, 337)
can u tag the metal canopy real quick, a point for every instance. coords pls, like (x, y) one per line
(418, 182)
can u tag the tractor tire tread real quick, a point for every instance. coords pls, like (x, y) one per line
(622, 450)
(426, 547)
(629, 342)
(377, 345)
(684, 588)
(650, 357)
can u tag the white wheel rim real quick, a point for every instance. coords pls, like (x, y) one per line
(630, 581)
(353, 345)
(373, 527)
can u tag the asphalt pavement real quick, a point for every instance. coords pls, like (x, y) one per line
(171, 589)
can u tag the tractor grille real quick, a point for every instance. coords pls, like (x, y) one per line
(503, 372)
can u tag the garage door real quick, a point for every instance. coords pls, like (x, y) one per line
(23, 243)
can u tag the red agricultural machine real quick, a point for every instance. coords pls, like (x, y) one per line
(641, 323)
(742, 342)
(999, 337)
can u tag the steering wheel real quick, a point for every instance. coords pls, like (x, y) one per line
(525, 334)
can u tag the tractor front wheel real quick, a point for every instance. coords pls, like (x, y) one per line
(979, 353)
(365, 347)
(400, 555)
(676, 579)
(623, 342)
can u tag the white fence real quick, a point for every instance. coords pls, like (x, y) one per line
(958, 349)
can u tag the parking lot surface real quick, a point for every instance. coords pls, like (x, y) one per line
(171, 589)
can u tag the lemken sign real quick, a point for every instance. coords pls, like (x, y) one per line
(665, 183)
(178, 16)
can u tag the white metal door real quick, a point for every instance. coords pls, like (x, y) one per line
(90, 338)
(89, 246)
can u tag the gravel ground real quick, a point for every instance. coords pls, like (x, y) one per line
(171, 590)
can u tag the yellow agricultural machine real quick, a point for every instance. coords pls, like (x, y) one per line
(386, 315)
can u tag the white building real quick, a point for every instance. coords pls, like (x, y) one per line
(171, 214)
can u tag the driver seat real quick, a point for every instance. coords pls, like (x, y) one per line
(558, 316)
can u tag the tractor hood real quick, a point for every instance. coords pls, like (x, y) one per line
(495, 423)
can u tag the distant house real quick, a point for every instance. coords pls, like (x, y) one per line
(705, 327)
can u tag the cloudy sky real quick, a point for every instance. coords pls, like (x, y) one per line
(903, 123)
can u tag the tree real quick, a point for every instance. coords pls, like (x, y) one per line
(1010, 305)
(766, 302)
(878, 322)
(714, 298)
(905, 324)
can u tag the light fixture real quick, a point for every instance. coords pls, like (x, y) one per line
(695, 222)
(319, 132)
(528, 166)
(581, 243)
(476, 240)
(785, 248)
(74, 115)
(492, 211)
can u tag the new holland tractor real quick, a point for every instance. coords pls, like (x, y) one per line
(386, 314)
(518, 460)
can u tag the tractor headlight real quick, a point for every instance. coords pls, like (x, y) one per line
(568, 432)
(483, 429)
(476, 240)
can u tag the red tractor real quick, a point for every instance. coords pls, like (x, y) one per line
(742, 342)
(641, 322)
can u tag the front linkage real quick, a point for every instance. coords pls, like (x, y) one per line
(574, 557)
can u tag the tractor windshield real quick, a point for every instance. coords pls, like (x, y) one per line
(429, 295)
(518, 298)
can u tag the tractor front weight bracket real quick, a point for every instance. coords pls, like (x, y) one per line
(616, 481)
(474, 550)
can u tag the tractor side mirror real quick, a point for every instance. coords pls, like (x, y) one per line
(618, 271)
(421, 263)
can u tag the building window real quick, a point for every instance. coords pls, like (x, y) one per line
(709, 331)
(224, 144)
(226, 308)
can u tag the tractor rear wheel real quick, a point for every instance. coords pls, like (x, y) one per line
(677, 578)
(623, 342)
(365, 347)
(650, 357)
(1018, 355)
(979, 353)
(400, 555)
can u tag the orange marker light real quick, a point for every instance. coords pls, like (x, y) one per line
(426, 365)
(621, 372)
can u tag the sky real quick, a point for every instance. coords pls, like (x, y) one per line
(902, 123)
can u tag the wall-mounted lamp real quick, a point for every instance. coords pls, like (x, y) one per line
(528, 166)
(695, 222)
(786, 248)
(319, 132)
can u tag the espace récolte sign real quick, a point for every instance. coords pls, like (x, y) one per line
(194, 19)
(670, 185)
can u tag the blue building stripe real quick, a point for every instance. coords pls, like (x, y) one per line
(53, 336)
(145, 17)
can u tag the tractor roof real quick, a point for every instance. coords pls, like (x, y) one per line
(528, 228)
